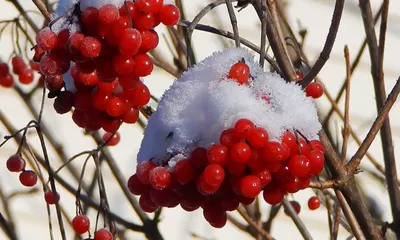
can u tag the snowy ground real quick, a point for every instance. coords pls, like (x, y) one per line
(176, 224)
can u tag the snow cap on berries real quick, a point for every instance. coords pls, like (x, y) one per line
(203, 102)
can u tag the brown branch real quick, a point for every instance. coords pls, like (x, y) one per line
(376, 56)
(24, 14)
(351, 219)
(330, 40)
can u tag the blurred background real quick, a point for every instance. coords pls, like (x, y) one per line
(29, 210)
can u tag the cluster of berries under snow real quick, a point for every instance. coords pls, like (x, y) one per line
(225, 132)
(93, 55)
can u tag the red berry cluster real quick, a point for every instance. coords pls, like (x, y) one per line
(235, 170)
(108, 55)
(19, 68)
(16, 163)
(313, 89)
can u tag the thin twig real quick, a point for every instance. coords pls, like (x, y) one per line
(253, 224)
(232, 16)
(346, 131)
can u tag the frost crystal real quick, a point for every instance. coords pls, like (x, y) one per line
(203, 102)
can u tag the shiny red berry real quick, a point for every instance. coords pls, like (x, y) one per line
(80, 224)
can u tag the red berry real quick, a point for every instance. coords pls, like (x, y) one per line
(80, 224)
(128, 7)
(46, 39)
(4, 70)
(123, 65)
(299, 166)
(131, 116)
(257, 137)
(149, 40)
(89, 17)
(142, 171)
(107, 14)
(240, 72)
(103, 234)
(110, 124)
(199, 157)
(317, 145)
(62, 39)
(34, 65)
(7, 81)
(146, 204)
(317, 160)
(17, 64)
(204, 188)
(214, 174)
(314, 203)
(291, 184)
(82, 100)
(169, 15)
(216, 218)
(240, 152)
(303, 147)
(184, 171)
(15, 163)
(250, 186)
(107, 87)
(117, 30)
(51, 198)
(275, 152)
(159, 178)
(129, 42)
(144, 21)
(273, 195)
(28, 178)
(299, 75)
(228, 137)
(115, 107)
(143, 65)
(25, 76)
(296, 207)
(314, 90)
(304, 182)
(217, 154)
(135, 186)
(114, 138)
(90, 47)
(74, 42)
(151, 6)
(64, 102)
(289, 139)
(242, 127)
(88, 79)
(56, 62)
(138, 95)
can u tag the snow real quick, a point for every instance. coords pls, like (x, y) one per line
(203, 102)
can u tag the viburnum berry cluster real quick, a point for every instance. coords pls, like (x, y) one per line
(93, 58)
(223, 134)
(25, 74)
(236, 170)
